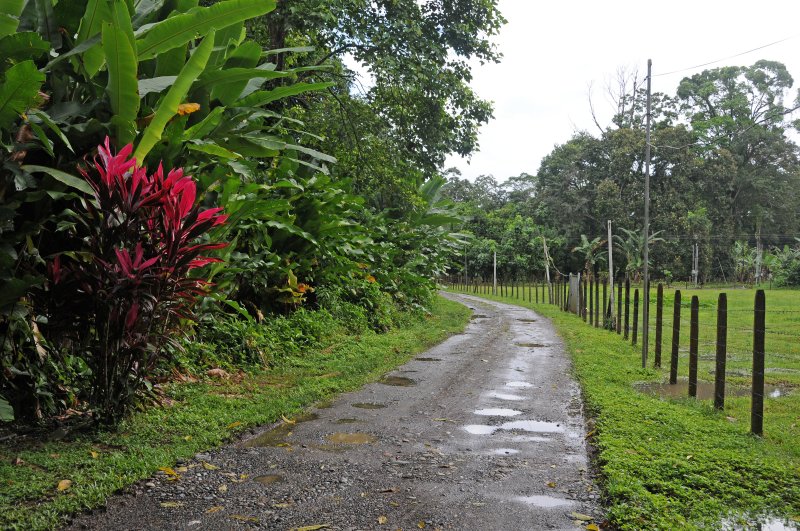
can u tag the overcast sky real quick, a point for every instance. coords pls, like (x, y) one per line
(555, 51)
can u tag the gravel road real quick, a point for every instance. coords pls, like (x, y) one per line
(484, 431)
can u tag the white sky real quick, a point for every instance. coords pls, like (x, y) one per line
(555, 50)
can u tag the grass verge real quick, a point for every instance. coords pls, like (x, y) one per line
(200, 416)
(678, 464)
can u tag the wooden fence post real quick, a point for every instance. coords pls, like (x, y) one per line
(590, 309)
(693, 333)
(676, 338)
(722, 345)
(619, 307)
(659, 323)
(635, 330)
(605, 302)
(627, 330)
(584, 285)
(757, 402)
(597, 303)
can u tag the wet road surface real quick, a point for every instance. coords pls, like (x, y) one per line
(484, 431)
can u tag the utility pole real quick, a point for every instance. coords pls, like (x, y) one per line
(610, 273)
(646, 308)
(494, 274)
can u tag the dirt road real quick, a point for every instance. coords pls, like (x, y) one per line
(484, 431)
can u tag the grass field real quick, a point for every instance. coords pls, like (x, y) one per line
(197, 417)
(676, 463)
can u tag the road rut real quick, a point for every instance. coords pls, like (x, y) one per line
(484, 431)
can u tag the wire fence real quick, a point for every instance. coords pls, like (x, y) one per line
(729, 336)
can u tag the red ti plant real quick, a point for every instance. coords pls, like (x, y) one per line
(116, 298)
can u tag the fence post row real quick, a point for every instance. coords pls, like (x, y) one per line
(676, 338)
(722, 344)
(693, 333)
(757, 402)
(619, 307)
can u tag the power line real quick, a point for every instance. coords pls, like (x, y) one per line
(728, 57)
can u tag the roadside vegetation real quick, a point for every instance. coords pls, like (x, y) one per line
(677, 463)
(48, 476)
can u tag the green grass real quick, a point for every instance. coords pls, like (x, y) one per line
(679, 464)
(200, 416)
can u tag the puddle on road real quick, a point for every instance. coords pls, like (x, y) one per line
(533, 425)
(545, 502)
(506, 396)
(348, 421)
(368, 405)
(519, 385)
(529, 438)
(277, 435)
(397, 381)
(530, 345)
(351, 438)
(480, 429)
(268, 479)
(498, 412)
(505, 451)
(428, 359)
(705, 390)
(526, 320)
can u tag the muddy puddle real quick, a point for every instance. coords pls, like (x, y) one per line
(268, 479)
(428, 359)
(277, 436)
(530, 345)
(397, 381)
(506, 396)
(544, 502)
(351, 438)
(705, 390)
(368, 405)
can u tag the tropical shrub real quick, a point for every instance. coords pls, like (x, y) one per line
(121, 284)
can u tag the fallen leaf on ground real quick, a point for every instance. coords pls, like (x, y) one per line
(551, 484)
(222, 488)
(64, 484)
(209, 466)
(281, 505)
(288, 421)
(171, 504)
(182, 469)
(590, 433)
(218, 373)
(215, 509)
(390, 489)
(579, 516)
(311, 527)
(234, 424)
(421, 525)
(592, 527)
(187, 438)
(18, 462)
(94, 454)
(382, 520)
(168, 471)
